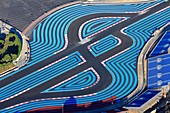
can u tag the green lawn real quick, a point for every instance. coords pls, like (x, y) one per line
(2, 41)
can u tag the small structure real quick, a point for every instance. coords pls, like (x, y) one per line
(22, 58)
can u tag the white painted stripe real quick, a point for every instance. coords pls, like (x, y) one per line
(59, 98)
(157, 83)
(159, 65)
(106, 28)
(14, 95)
(53, 63)
(2, 75)
(163, 9)
(89, 46)
(122, 30)
(97, 75)
(158, 58)
(81, 27)
(65, 46)
(150, 7)
(157, 75)
(85, 95)
(103, 62)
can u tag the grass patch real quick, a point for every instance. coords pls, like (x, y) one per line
(6, 67)
(1, 41)
(10, 49)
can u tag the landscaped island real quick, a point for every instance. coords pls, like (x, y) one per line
(10, 49)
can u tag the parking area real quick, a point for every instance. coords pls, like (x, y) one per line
(20, 13)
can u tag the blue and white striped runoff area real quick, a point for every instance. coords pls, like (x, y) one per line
(158, 71)
(143, 98)
(162, 46)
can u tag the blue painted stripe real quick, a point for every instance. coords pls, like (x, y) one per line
(82, 80)
(38, 77)
(104, 45)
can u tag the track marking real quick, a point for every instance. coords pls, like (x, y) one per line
(14, 95)
(92, 69)
(81, 27)
(163, 9)
(59, 98)
(103, 62)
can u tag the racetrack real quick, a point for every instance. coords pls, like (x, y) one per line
(75, 42)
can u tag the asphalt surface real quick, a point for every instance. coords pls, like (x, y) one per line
(28, 10)
(91, 60)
